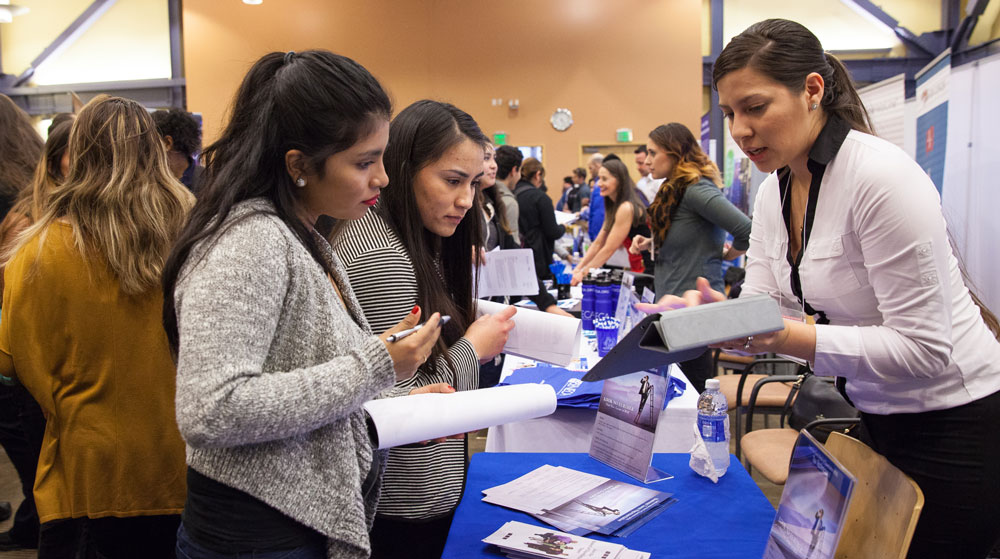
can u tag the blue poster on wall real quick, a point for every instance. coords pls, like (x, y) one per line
(932, 116)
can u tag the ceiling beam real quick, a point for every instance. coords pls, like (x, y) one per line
(80, 25)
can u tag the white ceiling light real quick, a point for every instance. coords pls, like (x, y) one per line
(253, 2)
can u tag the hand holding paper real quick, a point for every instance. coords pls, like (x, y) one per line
(539, 335)
(490, 332)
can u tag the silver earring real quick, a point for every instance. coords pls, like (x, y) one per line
(300, 182)
(814, 107)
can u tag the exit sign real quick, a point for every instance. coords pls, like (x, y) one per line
(623, 135)
(500, 138)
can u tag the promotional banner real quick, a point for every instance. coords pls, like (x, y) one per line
(885, 102)
(932, 116)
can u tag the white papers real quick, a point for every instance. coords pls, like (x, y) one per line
(421, 417)
(580, 503)
(508, 272)
(565, 218)
(539, 335)
(518, 539)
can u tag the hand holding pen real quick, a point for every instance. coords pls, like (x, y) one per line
(410, 350)
(400, 335)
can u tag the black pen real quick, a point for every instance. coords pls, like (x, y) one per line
(400, 335)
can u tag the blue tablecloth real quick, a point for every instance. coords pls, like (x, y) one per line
(730, 520)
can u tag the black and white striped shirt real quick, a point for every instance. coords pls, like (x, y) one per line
(420, 482)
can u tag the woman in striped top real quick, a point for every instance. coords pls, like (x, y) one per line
(416, 248)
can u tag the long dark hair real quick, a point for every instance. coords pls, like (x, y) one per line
(787, 52)
(690, 166)
(21, 147)
(315, 101)
(419, 136)
(625, 193)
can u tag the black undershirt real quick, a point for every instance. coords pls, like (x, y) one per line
(227, 520)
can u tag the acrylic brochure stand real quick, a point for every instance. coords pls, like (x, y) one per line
(625, 427)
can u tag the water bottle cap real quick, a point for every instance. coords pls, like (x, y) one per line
(712, 384)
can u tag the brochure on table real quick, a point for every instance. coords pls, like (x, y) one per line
(627, 417)
(580, 503)
(813, 504)
(508, 272)
(517, 539)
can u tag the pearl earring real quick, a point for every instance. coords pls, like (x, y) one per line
(300, 182)
(814, 107)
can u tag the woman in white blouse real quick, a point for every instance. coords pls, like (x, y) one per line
(851, 228)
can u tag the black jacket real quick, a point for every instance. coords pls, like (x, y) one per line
(537, 225)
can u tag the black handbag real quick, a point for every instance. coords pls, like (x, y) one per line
(813, 398)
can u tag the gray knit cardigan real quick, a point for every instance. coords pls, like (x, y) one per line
(272, 371)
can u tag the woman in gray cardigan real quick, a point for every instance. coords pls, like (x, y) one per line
(274, 355)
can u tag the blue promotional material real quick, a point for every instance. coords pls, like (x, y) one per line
(571, 391)
(603, 305)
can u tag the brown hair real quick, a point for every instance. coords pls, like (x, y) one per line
(787, 52)
(625, 193)
(529, 167)
(21, 147)
(48, 174)
(690, 166)
(125, 207)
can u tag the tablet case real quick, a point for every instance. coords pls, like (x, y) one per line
(683, 334)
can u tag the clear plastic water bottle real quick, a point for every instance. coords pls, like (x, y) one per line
(713, 424)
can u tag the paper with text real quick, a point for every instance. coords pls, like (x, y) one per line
(508, 272)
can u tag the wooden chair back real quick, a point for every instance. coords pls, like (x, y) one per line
(884, 508)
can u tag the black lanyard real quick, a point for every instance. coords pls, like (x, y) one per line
(817, 170)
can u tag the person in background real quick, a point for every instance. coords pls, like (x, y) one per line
(689, 219)
(509, 160)
(21, 148)
(416, 248)
(595, 214)
(537, 219)
(849, 226)
(646, 184)
(23, 424)
(275, 356)
(626, 218)
(182, 135)
(567, 183)
(92, 353)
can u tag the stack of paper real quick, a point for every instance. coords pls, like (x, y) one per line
(520, 540)
(580, 503)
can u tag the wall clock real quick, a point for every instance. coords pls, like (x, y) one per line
(561, 119)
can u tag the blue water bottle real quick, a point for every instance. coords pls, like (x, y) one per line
(587, 304)
(603, 307)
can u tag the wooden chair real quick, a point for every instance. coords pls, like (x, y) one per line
(885, 506)
(770, 450)
(737, 388)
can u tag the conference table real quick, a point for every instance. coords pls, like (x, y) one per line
(569, 429)
(730, 520)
